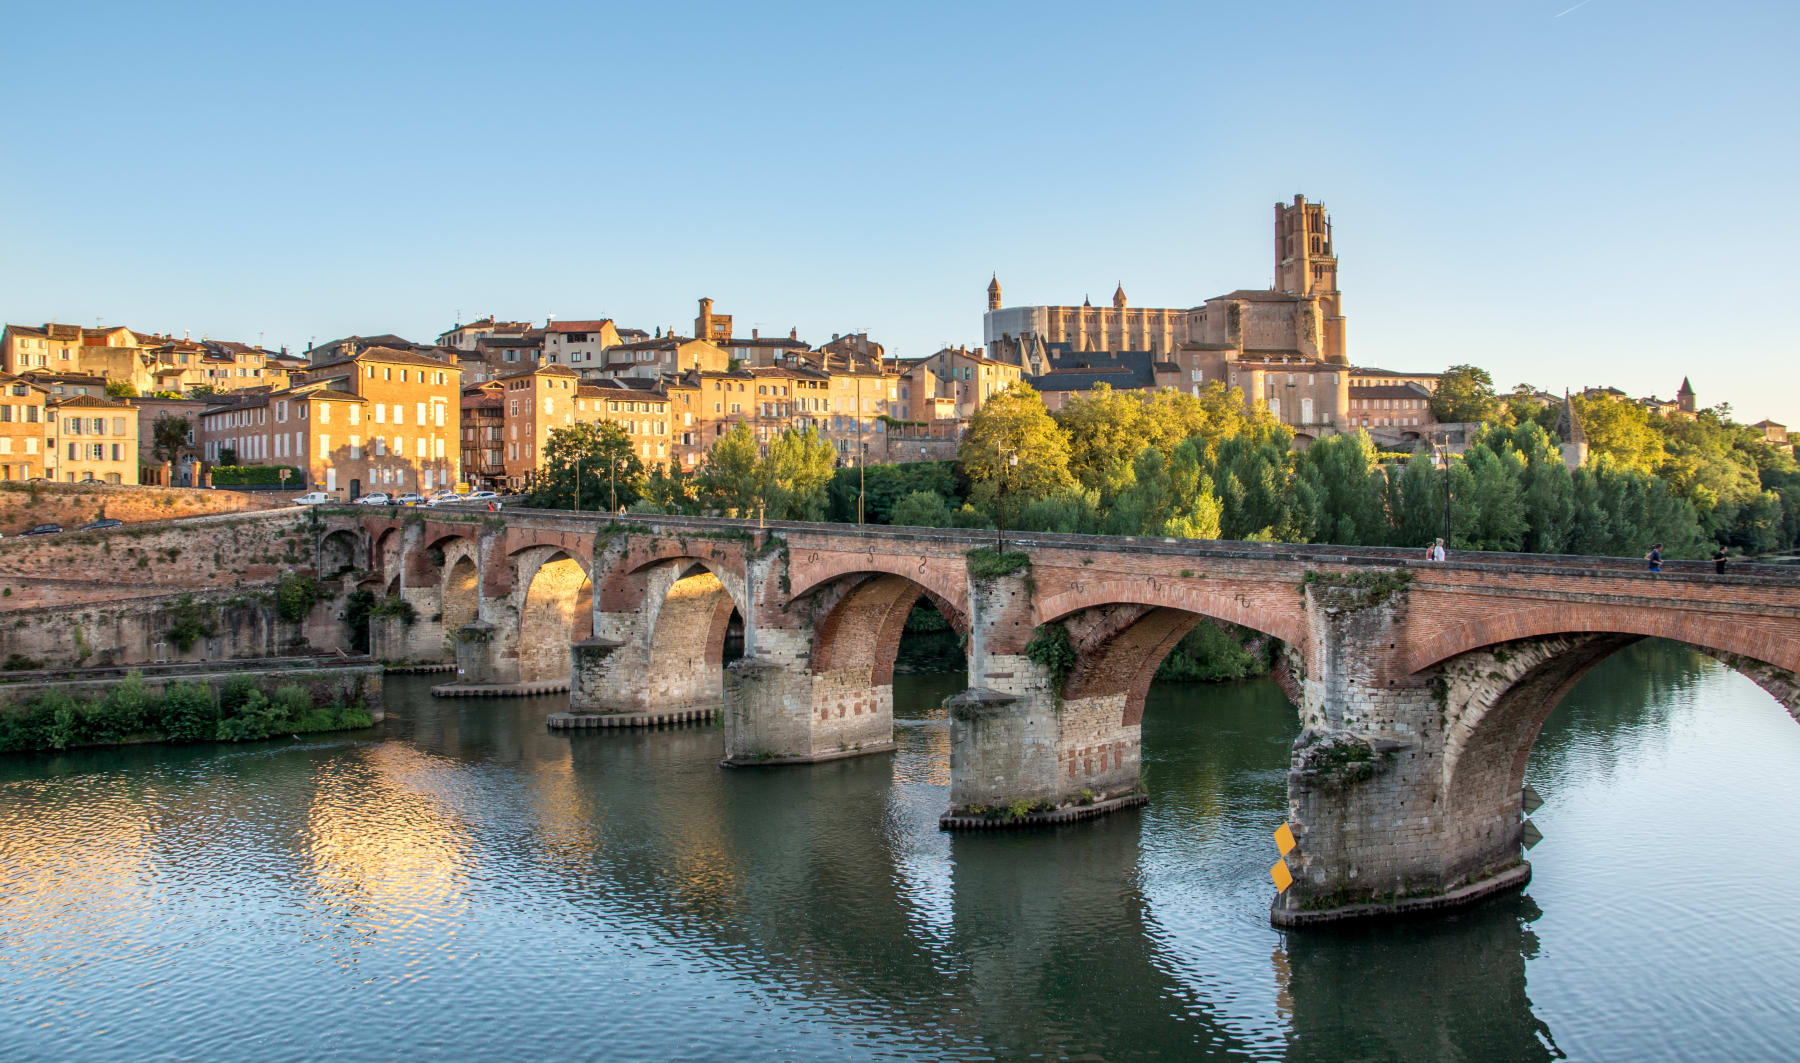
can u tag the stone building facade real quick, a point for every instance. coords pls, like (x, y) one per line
(23, 428)
(92, 438)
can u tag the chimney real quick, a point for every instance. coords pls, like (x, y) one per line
(753, 333)
(834, 337)
(794, 333)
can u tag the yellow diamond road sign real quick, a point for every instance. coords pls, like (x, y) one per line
(1282, 876)
(1284, 840)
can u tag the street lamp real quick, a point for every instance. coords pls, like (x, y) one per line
(1441, 454)
(1011, 462)
(861, 482)
(578, 481)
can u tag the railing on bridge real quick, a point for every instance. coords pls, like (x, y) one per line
(1314, 553)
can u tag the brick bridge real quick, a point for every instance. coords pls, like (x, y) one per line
(1420, 687)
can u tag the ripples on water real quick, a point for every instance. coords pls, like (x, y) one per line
(467, 885)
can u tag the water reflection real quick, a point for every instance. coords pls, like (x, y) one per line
(464, 884)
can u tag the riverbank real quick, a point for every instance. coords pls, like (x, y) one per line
(184, 705)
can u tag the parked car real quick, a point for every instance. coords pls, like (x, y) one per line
(409, 500)
(44, 529)
(443, 498)
(480, 496)
(103, 522)
(379, 498)
(313, 498)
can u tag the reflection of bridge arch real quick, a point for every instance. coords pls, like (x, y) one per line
(556, 610)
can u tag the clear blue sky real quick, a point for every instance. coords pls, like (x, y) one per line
(1607, 195)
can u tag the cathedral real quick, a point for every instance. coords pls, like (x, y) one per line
(1284, 345)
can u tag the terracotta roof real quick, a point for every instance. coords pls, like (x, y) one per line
(386, 355)
(550, 368)
(1367, 371)
(8, 378)
(595, 391)
(1389, 391)
(64, 378)
(26, 330)
(92, 400)
(595, 325)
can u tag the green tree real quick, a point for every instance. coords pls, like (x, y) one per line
(1013, 452)
(920, 509)
(1350, 486)
(1417, 507)
(1523, 407)
(1619, 429)
(168, 435)
(1105, 430)
(669, 490)
(609, 470)
(1465, 393)
(1168, 498)
(1485, 513)
(728, 479)
(120, 389)
(791, 479)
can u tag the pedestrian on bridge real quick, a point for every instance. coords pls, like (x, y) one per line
(1655, 558)
(1435, 552)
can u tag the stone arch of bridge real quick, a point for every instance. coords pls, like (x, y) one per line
(387, 545)
(626, 586)
(450, 564)
(689, 612)
(338, 552)
(861, 618)
(1121, 630)
(1499, 691)
(1708, 632)
(556, 609)
(945, 580)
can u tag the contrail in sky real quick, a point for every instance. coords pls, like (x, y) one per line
(1577, 7)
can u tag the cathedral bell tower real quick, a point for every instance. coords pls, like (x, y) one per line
(1306, 265)
(994, 293)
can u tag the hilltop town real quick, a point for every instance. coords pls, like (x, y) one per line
(473, 408)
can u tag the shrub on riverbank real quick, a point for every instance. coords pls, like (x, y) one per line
(187, 712)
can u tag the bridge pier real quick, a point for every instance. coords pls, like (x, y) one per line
(1020, 753)
(799, 695)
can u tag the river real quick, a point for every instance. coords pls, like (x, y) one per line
(464, 884)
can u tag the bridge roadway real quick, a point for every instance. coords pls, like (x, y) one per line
(1420, 686)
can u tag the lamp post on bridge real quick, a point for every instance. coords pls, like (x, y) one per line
(1440, 446)
(1010, 461)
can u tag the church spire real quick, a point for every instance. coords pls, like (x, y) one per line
(1119, 296)
(994, 292)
